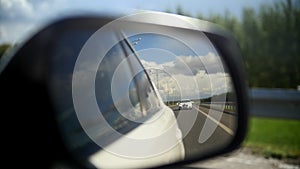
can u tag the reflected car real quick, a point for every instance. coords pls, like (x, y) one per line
(147, 108)
(185, 104)
(131, 109)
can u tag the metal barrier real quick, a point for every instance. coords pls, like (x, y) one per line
(275, 103)
(226, 107)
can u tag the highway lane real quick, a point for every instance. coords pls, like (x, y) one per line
(228, 120)
(220, 137)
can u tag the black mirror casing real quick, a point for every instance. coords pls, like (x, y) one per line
(31, 126)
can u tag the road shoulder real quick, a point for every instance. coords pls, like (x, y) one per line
(243, 158)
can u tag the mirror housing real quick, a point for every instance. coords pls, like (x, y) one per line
(26, 83)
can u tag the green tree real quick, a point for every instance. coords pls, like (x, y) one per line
(269, 40)
(270, 44)
(3, 48)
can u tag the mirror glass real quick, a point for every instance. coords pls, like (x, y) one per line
(142, 95)
(195, 86)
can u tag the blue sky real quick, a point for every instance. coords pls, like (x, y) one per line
(20, 18)
(153, 41)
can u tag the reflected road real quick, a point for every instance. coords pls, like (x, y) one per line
(220, 138)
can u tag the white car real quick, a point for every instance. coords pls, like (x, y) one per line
(133, 115)
(185, 104)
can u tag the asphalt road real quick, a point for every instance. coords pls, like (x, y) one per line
(220, 137)
(241, 158)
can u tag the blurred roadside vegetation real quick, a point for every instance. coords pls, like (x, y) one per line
(269, 39)
(3, 48)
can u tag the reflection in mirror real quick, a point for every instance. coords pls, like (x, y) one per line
(196, 86)
(152, 98)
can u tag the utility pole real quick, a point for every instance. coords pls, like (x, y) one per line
(157, 80)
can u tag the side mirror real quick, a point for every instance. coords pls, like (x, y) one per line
(96, 92)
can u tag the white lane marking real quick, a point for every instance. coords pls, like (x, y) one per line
(225, 128)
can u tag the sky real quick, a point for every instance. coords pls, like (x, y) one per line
(19, 19)
(179, 72)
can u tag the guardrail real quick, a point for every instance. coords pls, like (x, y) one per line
(226, 107)
(275, 103)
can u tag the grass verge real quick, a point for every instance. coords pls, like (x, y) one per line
(277, 138)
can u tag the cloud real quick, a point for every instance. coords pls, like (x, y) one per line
(190, 76)
(29, 10)
(18, 18)
(189, 65)
(16, 10)
(201, 85)
(212, 63)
